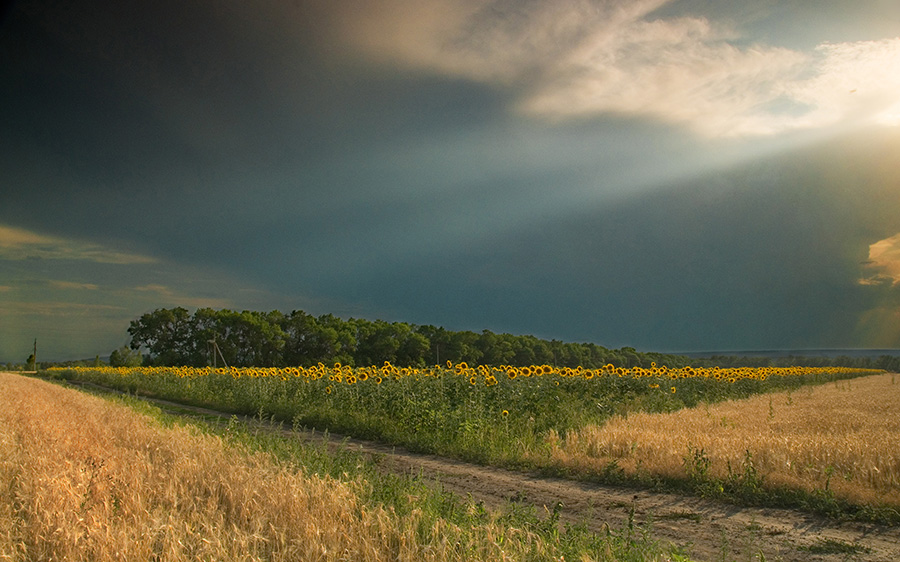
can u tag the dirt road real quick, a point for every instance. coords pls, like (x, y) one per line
(708, 530)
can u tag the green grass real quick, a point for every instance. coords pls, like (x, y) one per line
(830, 546)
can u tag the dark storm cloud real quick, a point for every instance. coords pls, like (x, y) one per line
(161, 111)
(763, 256)
(478, 164)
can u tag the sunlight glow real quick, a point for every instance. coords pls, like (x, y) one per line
(891, 117)
(19, 244)
(854, 82)
(575, 60)
(884, 257)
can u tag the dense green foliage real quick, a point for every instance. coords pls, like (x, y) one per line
(125, 357)
(274, 339)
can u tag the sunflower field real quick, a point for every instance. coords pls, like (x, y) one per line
(498, 415)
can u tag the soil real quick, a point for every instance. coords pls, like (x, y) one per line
(707, 530)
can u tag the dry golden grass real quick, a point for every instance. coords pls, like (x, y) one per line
(84, 479)
(844, 436)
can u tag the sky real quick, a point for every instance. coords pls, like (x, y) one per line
(679, 175)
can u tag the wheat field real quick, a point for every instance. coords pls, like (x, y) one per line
(84, 479)
(841, 437)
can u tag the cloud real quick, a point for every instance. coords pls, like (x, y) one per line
(173, 298)
(578, 58)
(880, 325)
(678, 71)
(488, 40)
(70, 285)
(858, 80)
(884, 261)
(18, 244)
(58, 309)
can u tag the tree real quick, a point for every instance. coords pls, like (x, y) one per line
(245, 338)
(175, 337)
(299, 339)
(496, 349)
(376, 342)
(168, 335)
(337, 338)
(463, 347)
(629, 357)
(206, 327)
(125, 357)
(413, 349)
(438, 343)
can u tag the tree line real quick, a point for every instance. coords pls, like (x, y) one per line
(275, 339)
(890, 363)
(175, 337)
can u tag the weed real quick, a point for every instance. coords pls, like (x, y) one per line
(832, 546)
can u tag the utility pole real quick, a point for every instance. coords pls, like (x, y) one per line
(216, 350)
(31, 364)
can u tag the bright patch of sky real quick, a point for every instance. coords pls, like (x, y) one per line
(884, 260)
(575, 59)
(19, 244)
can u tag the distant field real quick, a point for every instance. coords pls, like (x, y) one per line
(588, 423)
